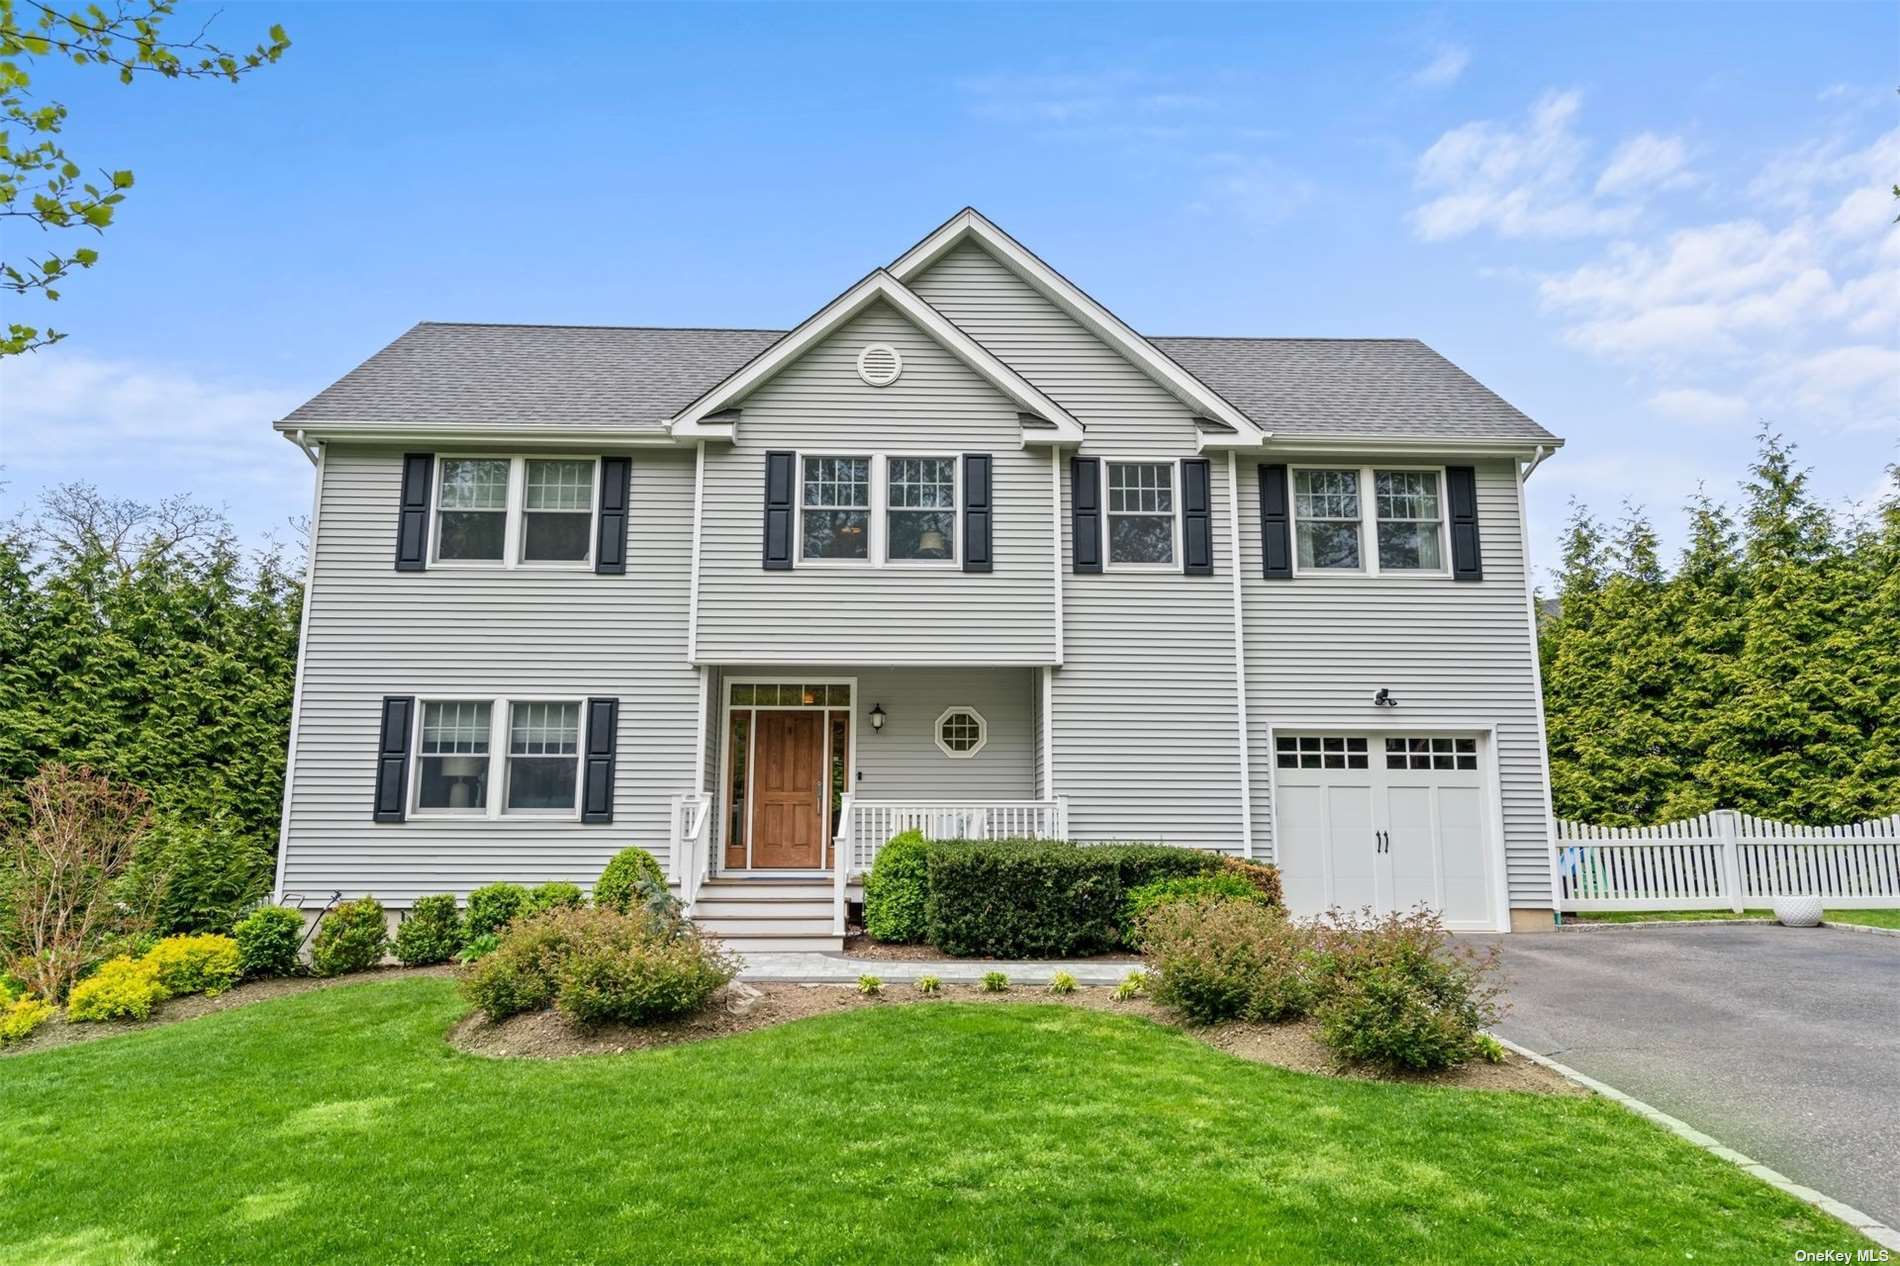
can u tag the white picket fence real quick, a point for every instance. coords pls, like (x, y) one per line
(1724, 860)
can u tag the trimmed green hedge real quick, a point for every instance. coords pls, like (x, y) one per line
(1042, 898)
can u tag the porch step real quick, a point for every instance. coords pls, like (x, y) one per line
(765, 926)
(721, 905)
(766, 890)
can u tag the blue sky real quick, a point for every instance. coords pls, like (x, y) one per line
(1652, 228)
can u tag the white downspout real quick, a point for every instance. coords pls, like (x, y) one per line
(1240, 659)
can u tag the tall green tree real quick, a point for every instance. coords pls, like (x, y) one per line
(40, 184)
(1762, 674)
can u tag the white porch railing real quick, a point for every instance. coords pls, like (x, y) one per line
(864, 826)
(690, 857)
(1727, 860)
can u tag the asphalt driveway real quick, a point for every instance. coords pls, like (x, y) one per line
(1783, 1043)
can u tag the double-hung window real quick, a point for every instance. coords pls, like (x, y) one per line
(452, 758)
(1141, 513)
(456, 742)
(515, 511)
(834, 518)
(1407, 521)
(921, 509)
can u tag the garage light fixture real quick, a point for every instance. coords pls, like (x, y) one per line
(1384, 699)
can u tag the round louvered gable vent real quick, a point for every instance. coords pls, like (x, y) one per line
(879, 364)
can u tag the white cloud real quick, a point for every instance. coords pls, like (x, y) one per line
(1257, 188)
(1700, 407)
(1444, 69)
(1643, 162)
(1518, 181)
(146, 431)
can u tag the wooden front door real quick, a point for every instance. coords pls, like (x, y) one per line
(788, 790)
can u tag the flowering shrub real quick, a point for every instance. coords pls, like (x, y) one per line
(1220, 959)
(122, 989)
(205, 963)
(1396, 992)
(20, 1017)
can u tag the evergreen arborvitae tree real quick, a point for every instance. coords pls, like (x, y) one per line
(1762, 675)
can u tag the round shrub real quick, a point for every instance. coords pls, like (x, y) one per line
(206, 963)
(21, 1016)
(620, 885)
(122, 989)
(642, 980)
(1217, 959)
(896, 889)
(493, 907)
(352, 937)
(267, 942)
(1219, 884)
(1396, 992)
(430, 933)
(556, 895)
(599, 965)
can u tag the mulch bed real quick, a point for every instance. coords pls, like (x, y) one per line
(859, 945)
(742, 1008)
(59, 1031)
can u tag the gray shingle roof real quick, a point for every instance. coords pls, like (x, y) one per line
(1350, 387)
(445, 374)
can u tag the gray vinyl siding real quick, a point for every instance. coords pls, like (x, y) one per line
(483, 633)
(855, 613)
(1144, 702)
(1452, 654)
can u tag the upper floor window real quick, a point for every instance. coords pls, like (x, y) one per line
(921, 513)
(877, 509)
(1329, 520)
(1141, 512)
(536, 511)
(835, 514)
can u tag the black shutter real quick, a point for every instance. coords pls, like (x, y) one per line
(976, 512)
(1085, 513)
(412, 514)
(1197, 518)
(1462, 491)
(616, 486)
(392, 758)
(1276, 538)
(780, 476)
(597, 784)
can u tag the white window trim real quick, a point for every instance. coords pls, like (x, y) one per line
(501, 709)
(1174, 496)
(515, 523)
(982, 731)
(877, 548)
(1368, 526)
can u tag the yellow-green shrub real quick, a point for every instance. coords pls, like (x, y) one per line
(20, 1017)
(203, 963)
(122, 989)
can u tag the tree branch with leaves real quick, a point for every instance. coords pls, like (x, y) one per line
(40, 184)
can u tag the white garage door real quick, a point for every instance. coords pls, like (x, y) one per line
(1386, 821)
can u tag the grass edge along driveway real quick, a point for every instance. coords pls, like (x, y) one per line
(338, 1126)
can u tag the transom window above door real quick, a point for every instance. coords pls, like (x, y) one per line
(1408, 520)
(1319, 751)
(1141, 513)
(508, 511)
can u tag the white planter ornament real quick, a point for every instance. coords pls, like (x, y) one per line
(1798, 912)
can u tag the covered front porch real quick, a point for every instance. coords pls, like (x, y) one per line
(811, 770)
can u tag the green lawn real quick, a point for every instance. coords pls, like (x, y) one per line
(337, 1126)
(1868, 918)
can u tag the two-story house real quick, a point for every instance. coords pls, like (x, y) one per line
(961, 551)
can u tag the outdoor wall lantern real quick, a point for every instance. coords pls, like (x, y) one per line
(877, 716)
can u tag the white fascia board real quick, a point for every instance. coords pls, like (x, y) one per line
(1356, 445)
(1104, 324)
(473, 433)
(692, 422)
